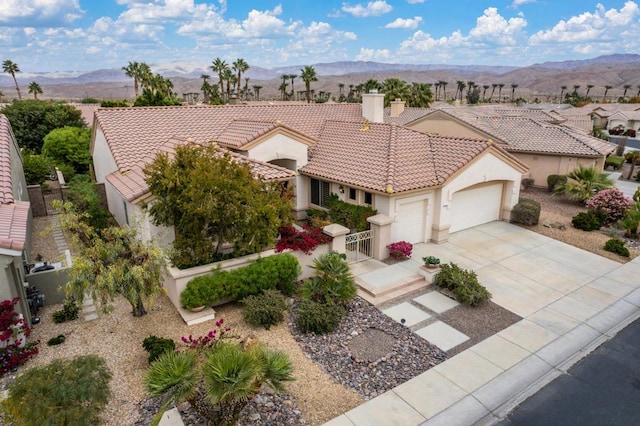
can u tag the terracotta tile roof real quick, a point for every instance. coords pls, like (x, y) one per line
(408, 115)
(14, 214)
(629, 115)
(529, 135)
(131, 183)
(87, 111)
(388, 157)
(133, 132)
(239, 133)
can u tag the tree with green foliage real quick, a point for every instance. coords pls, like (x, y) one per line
(395, 88)
(64, 392)
(110, 262)
(211, 199)
(32, 120)
(239, 66)
(308, 75)
(69, 145)
(583, 183)
(12, 68)
(152, 97)
(83, 195)
(219, 66)
(35, 89)
(36, 168)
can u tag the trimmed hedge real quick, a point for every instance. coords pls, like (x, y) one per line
(526, 212)
(351, 216)
(463, 283)
(278, 272)
(616, 245)
(587, 221)
(555, 180)
(615, 161)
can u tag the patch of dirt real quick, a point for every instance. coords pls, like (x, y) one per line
(371, 345)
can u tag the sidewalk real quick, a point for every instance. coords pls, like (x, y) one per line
(571, 301)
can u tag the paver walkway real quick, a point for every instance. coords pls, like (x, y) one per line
(571, 301)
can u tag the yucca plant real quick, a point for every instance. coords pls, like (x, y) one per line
(583, 183)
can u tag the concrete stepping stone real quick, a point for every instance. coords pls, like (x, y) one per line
(408, 312)
(436, 301)
(442, 335)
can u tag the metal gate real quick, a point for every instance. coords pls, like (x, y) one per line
(49, 196)
(359, 246)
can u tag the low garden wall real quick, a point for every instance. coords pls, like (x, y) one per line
(51, 284)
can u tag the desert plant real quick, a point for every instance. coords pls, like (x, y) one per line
(632, 220)
(318, 318)
(614, 161)
(526, 212)
(332, 282)
(58, 340)
(583, 183)
(220, 383)
(430, 260)
(616, 245)
(587, 221)
(264, 310)
(553, 180)
(400, 250)
(527, 183)
(156, 346)
(610, 204)
(463, 283)
(64, 392)
(69, 311)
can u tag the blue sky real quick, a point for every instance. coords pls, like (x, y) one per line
(80, 35)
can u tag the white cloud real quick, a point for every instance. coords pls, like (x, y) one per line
(491, 27)
(373, 55)
(517, 3)
(373, 8)
(407, 24)
(39, 13)
(162, 11)
(415, 1)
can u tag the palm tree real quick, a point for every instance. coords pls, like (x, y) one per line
(575, 90)
(133, 71)
(638, 94)
(562, 89)
(256, 90)
(626, 87)
(470, 86)
(513, 91)
(283, 86)
(606, 90)
(308, 75)
(230, 78)
(589, 87)
(145, 76)
(12, 68)
(220, 382)
(443, 84)
(583, 183)
(394, 88)
(206, 87)
(485, 87)
(460, 85)
(246, 87)
(239, 66)
(293, 77)
(421, 95)
(500, 86)
(493, 89)
(35, 89)
(219, 66)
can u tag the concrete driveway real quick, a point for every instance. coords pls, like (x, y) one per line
(570, 300)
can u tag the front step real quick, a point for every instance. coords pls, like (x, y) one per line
(378, 296)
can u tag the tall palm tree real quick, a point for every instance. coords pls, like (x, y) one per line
(443, 84)
(230, 78)
(485, 87)
(292, 77)
(394, 88)
(513, 91)
(589, 87)
(460, 85)
(283, 87)
(246, 87)
(219, 66)
(206, 87)
(12, 68)
(308, 75)
(35, 89)
(606, 90)
(421, 95)
(575, 89)
(626, 87)
(145, 76)
(493, 89)
(133, 71)
(239, 66)
(562, 89)
(256, 90)
(500, 86)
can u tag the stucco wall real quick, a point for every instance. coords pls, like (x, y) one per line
(541, 166)
(103, 162)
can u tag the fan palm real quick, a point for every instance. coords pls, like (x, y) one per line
(219, 66)
(239, 66)
(12, 68)
(332, 282)
(308, 75)
(583, 183)
(35, 89)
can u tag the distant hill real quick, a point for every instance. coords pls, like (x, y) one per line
(536, 80)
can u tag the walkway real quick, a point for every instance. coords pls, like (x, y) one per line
(571, 301)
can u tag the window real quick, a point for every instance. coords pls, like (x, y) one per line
(353, 194)
(319, 192)
(368, 198)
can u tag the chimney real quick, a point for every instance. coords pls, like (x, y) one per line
(397, 108)
(373, 106)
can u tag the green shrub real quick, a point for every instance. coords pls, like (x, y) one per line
(156, 346)
(614, 161)
(264, 310)
(526, 212)
(58, 340)
(332, 282)
(616, 245)
(69, 312)
(527, 183)
(463, 283)
(89, 100)
(555, 180)
(351, 216)
(64, 392)
(319, 318)
(587, 221)
(36, 168)
(278, 272)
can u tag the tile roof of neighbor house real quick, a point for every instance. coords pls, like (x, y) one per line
(389, 158)
(133, 132)
(87, 111)
(14, 214)
(528, 135)
(131, 183)
(629, 115)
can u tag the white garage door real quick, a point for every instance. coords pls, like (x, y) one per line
(475, 206)
(410, 221)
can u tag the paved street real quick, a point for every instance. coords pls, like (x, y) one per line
(602, 389)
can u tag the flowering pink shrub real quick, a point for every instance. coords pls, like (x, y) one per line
(305, 241)
(400, 250)
(14, 351)
(611, 203)
(208, 340)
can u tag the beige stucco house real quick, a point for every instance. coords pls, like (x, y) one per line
(427, 186)
(15, 220)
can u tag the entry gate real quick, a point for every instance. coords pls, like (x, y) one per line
(359, 246)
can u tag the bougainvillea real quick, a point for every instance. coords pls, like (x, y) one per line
(14, 350)
(305, 241)
(400, 250)
(208, 340)
(611, 204)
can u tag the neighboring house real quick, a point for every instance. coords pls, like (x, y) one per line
(624, 119)
(602, 112)
(427, 185)
(15, 220)
(536, 138)
(87, 111)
